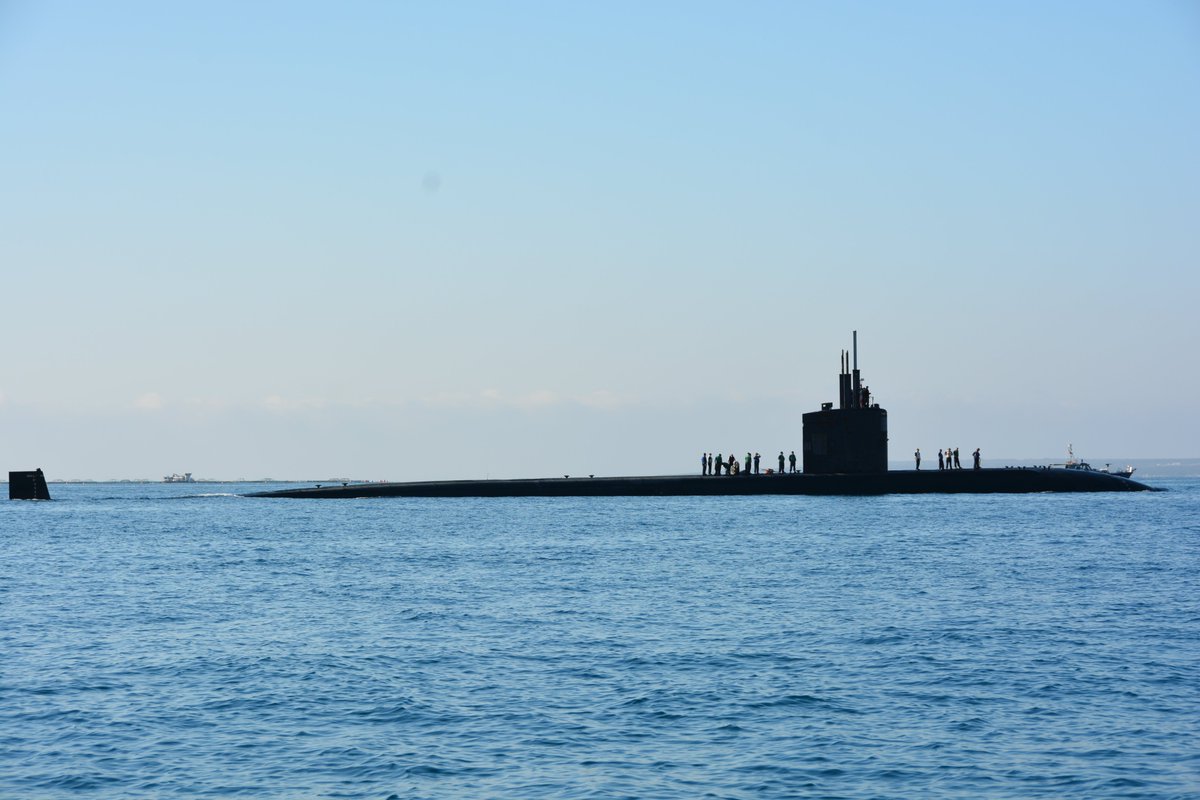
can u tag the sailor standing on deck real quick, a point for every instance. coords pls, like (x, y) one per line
(792, 461)
(941, 463)
(780, 462)
(756, 458)
(917, 456)
(976, 454)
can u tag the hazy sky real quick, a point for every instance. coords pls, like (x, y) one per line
(427, 240)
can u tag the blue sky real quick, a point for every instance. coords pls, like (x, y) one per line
(389, 240)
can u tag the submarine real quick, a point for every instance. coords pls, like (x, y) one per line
(845, 452)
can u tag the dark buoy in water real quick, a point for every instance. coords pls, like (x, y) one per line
(28, 485)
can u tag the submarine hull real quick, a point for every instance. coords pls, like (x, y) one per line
(981, 481)
(28, 485)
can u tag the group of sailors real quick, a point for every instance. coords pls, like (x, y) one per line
(947, 459)
(732, 467)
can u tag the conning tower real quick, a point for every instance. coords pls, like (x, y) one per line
(849, 438)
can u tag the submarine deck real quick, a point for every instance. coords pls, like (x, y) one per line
(1005, 480)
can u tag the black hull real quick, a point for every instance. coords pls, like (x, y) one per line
(29, 485)
(967, 481)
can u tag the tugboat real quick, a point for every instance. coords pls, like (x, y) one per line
(177, 478)
(1074, 463)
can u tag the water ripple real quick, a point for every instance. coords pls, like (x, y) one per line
(655, 647)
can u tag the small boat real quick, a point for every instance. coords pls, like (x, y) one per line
(1074, 463)
(177, 478)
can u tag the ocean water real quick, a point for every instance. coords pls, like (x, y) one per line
(182, 641)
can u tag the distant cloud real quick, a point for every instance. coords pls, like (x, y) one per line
(491, 398)
(538, 399)
(206, 403)
(604, 400)
(150, 401)
(528, 401)
(371, 401)
(460, 399)
(275, 402)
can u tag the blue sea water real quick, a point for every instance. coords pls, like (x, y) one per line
(183, 641)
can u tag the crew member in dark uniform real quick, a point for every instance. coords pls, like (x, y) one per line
(720, 463)
(917, 456)
(756, 458)
(792, 461)
(780, 462)
(976, 454)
